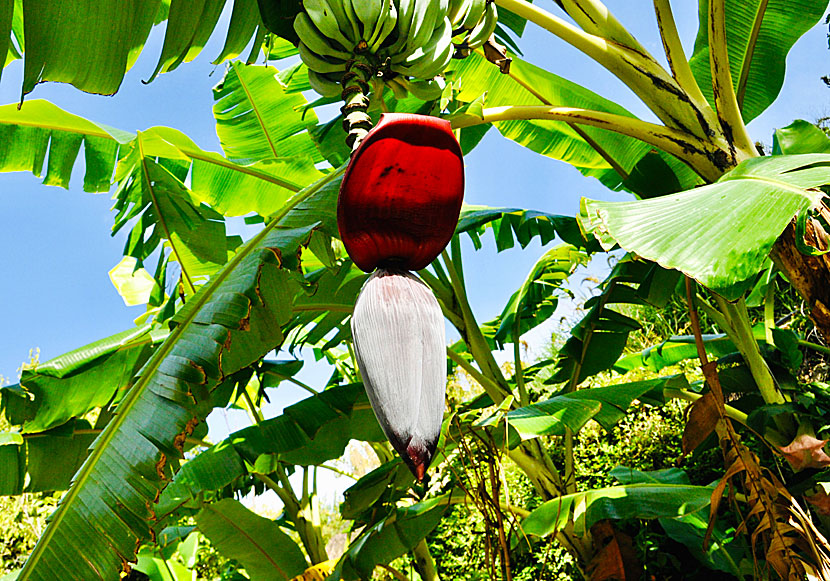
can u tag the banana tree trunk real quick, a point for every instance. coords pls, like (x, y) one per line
(810, 275)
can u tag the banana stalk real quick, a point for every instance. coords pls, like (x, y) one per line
(356, 120)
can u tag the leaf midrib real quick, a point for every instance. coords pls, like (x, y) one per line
(750, 51)
(151, 369)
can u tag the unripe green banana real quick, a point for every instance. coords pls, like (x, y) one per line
(318, 63)
(323, 85)
(405, 41)
(398, 89)
(458, 12)
(424, 90)
(430, 60)
(385, 25)
(325, 21)
(369, 12)
(314, 40)
(475, 14)
(484, 30)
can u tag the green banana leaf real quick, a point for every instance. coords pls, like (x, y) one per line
(594, 152)
(257, 120)
(598, 339)
(73, 384)
(39, 129)
(390, 538)
(759, 34)
(359, 500)
(43, 462)
(642, 500)
(690, 529)
(160, 206)
(673, 351)
(719, 234)
(326, 307)
(535, 301)
(312, 431)
(257, 543)
(231, 322)
(605, 405)
(511, 225)
(800, 137)
(92, 43)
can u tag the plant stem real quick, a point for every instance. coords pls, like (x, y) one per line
(547, 483)
(643, 75)
(769, 311)
(595, 18)
(394, 572)
(814, 346)
(356, 121)
(518, 373)
(726, 102)
(310, 535)
(701, 155)
(678, 62)
(739, 330)
(770, 434)
(748, 346)
(472, 333)
(252, 409)
(490, 387)
(424, 562)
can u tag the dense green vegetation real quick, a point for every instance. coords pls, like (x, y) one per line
(676, 428)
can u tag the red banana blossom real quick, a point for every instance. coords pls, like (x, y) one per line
(398, 208)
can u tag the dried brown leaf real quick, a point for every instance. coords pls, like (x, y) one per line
(614, 555)
(703, 417)
(806, 451)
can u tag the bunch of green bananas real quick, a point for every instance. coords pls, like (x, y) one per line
(473, 22)
(405, 43)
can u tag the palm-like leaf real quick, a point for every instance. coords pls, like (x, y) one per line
(606, 156)
(73, 384)
(264, 550)
(92, 43)
(722, 233)
(39, 128)
(233, 321)
(642, 500)
(759, 34)
(257, 120)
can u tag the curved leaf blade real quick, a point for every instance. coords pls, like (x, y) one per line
(720, 234)
(257, 543)
(40, 129)
(107, 511)
(535, 301)
(645, 501)
(86, 43)
(75, 383)
(257, 120)
(604, 155)
(759, 34)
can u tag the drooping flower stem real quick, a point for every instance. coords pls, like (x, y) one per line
(355, 94)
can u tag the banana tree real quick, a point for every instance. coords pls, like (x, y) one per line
(707, 209)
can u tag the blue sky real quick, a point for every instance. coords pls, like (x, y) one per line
(56, 248)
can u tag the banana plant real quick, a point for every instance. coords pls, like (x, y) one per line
(708, 214)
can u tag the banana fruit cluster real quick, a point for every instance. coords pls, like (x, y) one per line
(405, 43)
(473, 22)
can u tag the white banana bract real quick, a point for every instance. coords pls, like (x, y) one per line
(400, 345)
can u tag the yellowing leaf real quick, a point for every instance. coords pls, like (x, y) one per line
(134, 285)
